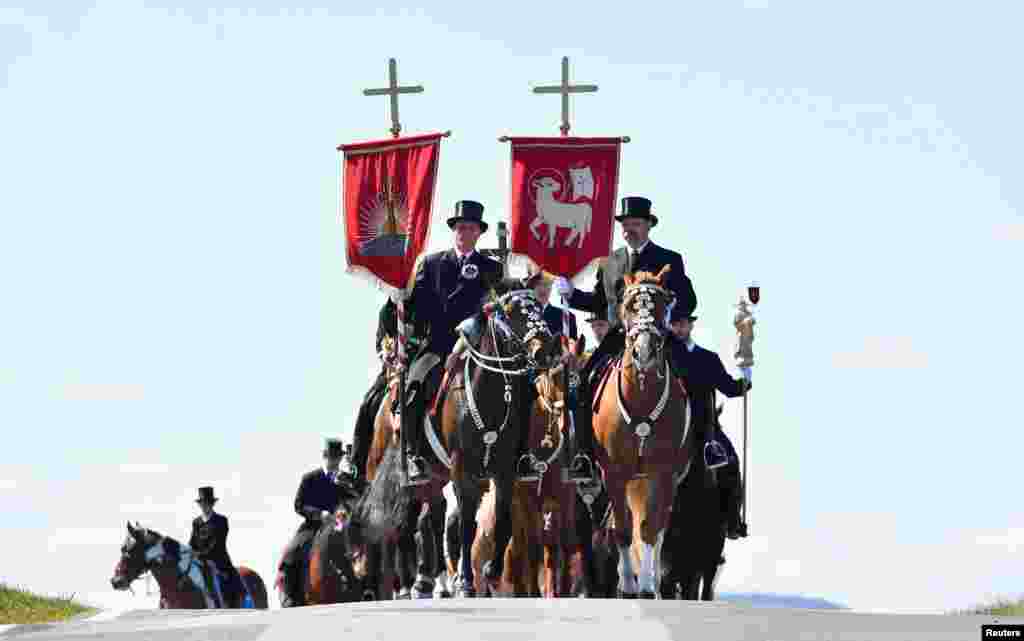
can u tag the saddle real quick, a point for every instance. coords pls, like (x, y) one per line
(447, 382)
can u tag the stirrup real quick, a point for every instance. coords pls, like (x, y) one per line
(530, 471)
(714, 455)
(418, 474)
(587, 473)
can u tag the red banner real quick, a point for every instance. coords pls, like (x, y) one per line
(564, 192)
(387, 198)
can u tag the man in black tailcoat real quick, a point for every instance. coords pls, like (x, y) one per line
(640, 254)
(703, 373)
(209, 540)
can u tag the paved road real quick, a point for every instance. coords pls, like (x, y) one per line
(516, 620)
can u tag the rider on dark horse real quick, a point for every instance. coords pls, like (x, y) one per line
(320, 493)
(641, 254)
(209, 542)
(449, 291)
(703, 374)
(387, 325)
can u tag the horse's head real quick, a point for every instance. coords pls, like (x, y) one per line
(643, 310)
(519, 325)
(140, 549)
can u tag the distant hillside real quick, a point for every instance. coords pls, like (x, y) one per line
(769, 600)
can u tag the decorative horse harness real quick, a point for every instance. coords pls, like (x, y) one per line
(644, 322)
(504, 365)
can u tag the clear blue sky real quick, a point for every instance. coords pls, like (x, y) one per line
(176, 312)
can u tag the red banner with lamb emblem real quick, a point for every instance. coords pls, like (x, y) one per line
(387, 198)
(564, 192)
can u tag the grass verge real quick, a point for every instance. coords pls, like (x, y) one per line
(21, 606)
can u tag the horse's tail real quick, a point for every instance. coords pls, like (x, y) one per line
(382, 509)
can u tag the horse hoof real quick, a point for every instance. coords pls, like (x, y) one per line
(466, 594)
(369, 595)
(647, 595)
(422, 590)
(627, 595)
(444, 594)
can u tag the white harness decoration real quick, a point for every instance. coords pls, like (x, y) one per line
(645, 322)
(535, 326)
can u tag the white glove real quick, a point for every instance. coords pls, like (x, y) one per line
(324, 515)
(563, 286)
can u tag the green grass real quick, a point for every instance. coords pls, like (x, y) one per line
(1001, 607)
(21, 606)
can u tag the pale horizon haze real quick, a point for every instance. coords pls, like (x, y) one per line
(176, 312)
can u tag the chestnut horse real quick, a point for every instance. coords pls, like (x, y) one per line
(543, 507)
(641, 431)
(178, 573)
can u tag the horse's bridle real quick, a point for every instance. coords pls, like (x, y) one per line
(641, 298)
(535, 326)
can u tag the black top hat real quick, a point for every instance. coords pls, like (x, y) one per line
(206, 495)
(637, 207)
(469, 211)
(333, 448)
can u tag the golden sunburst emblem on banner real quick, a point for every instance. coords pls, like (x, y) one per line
(384, 222)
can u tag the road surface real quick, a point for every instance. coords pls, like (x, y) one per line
(515, 620)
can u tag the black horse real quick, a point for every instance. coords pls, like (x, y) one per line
(691, 554)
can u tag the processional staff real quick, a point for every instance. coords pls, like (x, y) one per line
(744, 322)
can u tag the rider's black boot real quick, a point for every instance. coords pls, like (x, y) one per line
(419, 467)
(581, 470)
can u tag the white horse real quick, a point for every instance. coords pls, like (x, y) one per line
(553, 213)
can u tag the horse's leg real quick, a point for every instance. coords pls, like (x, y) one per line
(566, 549)
(622, 534)
(436, 512)
(468, 495)
(550, 558)
(503, 487)
(453, 541)
(426, 557)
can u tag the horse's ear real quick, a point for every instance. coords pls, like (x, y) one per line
(663, 273)
(718, 411)
(130, 530)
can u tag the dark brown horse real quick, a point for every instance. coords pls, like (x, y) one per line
(411, 556)
(691, 555)
(641, 430)
(183, 584)
(481, 416)
(543, 518)
(478, 437)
